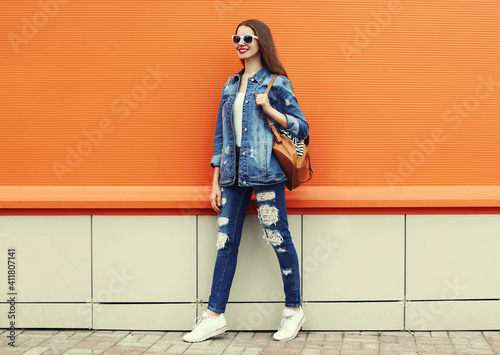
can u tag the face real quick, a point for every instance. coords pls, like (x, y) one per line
(244, 50)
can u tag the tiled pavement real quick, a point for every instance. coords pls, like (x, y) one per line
(33, 342)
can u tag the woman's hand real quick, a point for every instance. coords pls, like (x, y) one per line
(215, 196)
(262, 100)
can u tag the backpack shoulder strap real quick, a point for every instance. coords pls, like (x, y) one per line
(277, 136)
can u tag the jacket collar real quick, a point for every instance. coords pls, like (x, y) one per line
(260, 76)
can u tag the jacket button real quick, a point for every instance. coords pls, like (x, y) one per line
(246, 129)
(246, 101)
(244, 182)
(252, 79)
(244, 153)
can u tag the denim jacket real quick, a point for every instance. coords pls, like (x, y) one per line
(257, 163)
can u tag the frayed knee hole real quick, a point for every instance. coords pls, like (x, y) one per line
(266, 196)
(273, 237)
(222, 221)
(221, 240)
(268, 215)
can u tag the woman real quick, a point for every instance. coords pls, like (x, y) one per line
(243, 163)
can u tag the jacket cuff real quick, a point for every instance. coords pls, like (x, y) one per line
(215, 160)
(293, 125)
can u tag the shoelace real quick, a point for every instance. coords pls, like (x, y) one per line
(199, 320)
(284, 322)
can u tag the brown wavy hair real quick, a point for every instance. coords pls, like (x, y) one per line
(268, 51)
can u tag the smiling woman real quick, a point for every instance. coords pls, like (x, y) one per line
(241, 127)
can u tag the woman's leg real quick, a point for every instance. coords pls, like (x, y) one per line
(273, 216)
(234, 207)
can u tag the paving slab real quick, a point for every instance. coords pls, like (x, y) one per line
(108, 342)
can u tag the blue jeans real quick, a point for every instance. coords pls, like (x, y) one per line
(273, 216)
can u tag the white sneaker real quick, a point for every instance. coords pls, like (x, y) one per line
(206, 327)
(291, 322)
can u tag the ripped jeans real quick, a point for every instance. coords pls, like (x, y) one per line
(273, 216)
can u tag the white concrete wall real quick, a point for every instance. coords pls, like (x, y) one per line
(359, 272)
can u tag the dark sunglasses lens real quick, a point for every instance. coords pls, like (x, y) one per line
(247, 39)
(236, 39)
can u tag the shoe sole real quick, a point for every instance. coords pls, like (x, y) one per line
(296, 332)
(217, 332)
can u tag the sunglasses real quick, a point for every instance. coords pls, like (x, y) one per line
(247, 39)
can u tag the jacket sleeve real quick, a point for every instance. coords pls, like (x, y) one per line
(217, 155)
(289, 106)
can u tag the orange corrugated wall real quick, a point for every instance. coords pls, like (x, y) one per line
(127, 92)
